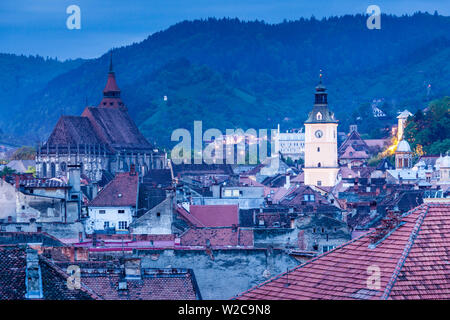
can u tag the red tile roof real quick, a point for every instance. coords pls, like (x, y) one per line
(13, 265)
(120, 192)
(413, 261)
(155, 284)
(215, 215)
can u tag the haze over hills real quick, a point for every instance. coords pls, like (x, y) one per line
(232, 74)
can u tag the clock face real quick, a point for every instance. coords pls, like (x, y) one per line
(319, 134)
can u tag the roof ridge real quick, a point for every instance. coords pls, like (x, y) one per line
(405, 253)
(304, 264)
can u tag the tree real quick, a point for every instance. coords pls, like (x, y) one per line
(6, 171)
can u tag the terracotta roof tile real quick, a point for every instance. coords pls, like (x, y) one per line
(122, 191)
(413, 260)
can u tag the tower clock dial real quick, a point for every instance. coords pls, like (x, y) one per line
(319, 134)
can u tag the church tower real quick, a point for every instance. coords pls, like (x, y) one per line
(321, 160)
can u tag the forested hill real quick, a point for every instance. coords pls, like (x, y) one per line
(230, 73)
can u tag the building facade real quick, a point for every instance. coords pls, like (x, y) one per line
(290, 144)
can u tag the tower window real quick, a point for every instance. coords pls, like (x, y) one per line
(319, 165)
(319, 116)
(318, 149)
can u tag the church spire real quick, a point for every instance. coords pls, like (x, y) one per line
(321, 94)
(320, 111)
(111, 89)
(111, 93)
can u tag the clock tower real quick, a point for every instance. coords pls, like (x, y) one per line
(321, 163)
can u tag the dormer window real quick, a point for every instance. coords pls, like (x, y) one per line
(319, 116)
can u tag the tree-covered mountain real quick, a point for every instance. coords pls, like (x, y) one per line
(230, 74)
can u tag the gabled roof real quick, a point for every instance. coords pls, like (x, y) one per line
(120, 192)
(74, 130)
(353, 139)
(410, 254)
(103, 279)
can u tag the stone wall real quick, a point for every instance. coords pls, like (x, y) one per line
(223, 273)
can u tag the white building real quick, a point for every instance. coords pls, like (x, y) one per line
(290, 144)
(114, 208)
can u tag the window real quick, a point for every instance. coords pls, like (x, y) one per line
(319, 116)
(123, 225)
(102, 211)
(63, 166)
(319, 183)
(106, 225)
(53, 170)
(158, 214)
(318, 149)
(319, 165)
(121, 211)
(44, 169)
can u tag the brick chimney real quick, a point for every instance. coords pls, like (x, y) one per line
(17, 182)
(389, 223)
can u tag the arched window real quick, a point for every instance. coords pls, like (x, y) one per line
(44, 169)
(52, 170)
(63, 166)
(319, 116)
(318, 149)
(319, 165)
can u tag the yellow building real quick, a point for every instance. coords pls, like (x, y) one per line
(321, 160)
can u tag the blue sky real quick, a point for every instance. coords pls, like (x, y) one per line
(39, 26)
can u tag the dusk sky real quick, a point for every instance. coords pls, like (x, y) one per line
(39, 26)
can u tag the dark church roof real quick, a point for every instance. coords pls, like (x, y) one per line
(116, 128)
(73, 130)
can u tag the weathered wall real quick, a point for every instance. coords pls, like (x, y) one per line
(222, 273)
(158, 220)
(7, 201)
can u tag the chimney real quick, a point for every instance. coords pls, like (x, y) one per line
(288, 181)
(133, 269)
(74, 177)
(33, 280)
(17, 178)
